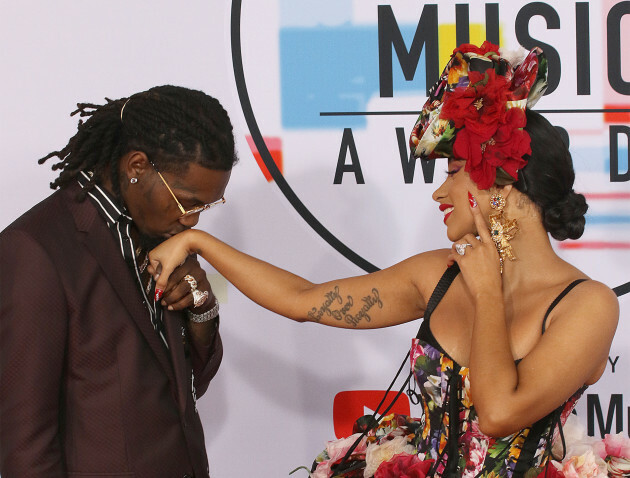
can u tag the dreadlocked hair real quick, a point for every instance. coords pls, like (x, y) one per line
(172, 125)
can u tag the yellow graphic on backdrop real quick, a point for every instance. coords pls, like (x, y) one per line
(448, 42)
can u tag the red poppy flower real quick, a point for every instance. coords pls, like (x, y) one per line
(485, 48)
(468, 146)
(510, 143)
(550, 471)
(404, 465)
(486, 150)
(482, 102)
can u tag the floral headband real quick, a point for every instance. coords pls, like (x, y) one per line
(476, 112)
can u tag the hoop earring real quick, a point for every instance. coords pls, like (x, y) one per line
(133, 180)
(502, 230)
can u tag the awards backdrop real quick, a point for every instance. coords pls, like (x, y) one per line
(323, 96)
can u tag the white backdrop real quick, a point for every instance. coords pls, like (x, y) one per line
(270, 408)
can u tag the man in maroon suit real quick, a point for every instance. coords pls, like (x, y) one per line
(100, 372)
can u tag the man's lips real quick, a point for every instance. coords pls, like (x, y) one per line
(173, 233)
(447, 209)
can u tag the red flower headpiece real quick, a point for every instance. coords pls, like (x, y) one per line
(476, 112)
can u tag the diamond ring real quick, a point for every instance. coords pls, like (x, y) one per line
(199, 297)
(461, 248)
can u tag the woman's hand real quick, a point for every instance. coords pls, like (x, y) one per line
(480, 263)
(167, 257)
(178, 292)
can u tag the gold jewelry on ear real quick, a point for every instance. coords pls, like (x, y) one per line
(133, 180)
(502, 230)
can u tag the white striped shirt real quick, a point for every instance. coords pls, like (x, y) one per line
(119, 222)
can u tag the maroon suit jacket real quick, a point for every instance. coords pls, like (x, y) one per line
(86, 387)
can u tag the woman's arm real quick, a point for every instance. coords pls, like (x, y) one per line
(379, 299)
(572, 352)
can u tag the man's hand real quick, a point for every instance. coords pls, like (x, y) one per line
(178, 292)
(178, 296)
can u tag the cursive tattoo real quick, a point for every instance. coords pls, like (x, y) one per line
(334, 298)
(369, 301)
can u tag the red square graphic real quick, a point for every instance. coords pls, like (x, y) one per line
(353, 404)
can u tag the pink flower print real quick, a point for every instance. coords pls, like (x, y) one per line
(617, 445)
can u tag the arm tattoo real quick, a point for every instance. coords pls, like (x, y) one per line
(335, 306)
(333, 296)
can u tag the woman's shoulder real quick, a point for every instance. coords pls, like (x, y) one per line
(596, 296)
(430, 263)
(577, 293)
(588, 290)
(425, 269)
(589, 304)
(586, 318)
(435, 257)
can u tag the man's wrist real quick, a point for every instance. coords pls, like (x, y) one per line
(206, 316)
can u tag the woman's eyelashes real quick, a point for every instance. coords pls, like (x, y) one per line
(451, 172)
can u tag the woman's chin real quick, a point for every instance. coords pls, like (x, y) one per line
(453, 236)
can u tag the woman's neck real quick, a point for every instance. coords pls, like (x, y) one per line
(536, 262)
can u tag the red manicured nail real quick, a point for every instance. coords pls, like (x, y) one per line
(158, 294)
(472, 200)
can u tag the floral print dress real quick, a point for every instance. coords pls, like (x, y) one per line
(450, 432)
(446, 441)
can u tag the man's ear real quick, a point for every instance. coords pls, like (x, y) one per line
(134, 164)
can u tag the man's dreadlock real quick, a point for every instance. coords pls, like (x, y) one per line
(173, 125)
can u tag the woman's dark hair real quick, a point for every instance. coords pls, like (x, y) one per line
(174, 126)
(548, 180)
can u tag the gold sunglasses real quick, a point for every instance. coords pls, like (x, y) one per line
(187, 212)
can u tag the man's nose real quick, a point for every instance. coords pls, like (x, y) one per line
(190, 220)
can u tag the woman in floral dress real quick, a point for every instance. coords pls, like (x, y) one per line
(512, 334)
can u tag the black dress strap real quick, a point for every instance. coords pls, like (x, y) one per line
(566, 290)
(440, 289)
(424, 332)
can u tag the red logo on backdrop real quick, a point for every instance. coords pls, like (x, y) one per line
(353, 404)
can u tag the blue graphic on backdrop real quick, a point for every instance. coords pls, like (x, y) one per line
(335, 69)
(595, 159)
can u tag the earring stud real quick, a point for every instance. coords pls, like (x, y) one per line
(133, 180)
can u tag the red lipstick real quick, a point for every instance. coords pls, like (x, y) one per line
(447, 209)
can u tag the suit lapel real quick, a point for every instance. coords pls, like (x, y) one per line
(99, 240)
